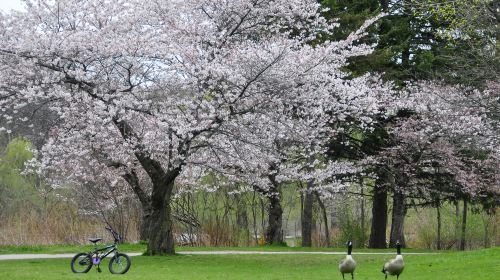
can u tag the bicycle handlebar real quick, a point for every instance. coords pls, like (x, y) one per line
(117, 237)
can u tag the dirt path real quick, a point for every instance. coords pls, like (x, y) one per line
(68, 256)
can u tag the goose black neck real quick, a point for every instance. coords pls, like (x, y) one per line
(349, 249)
(398, 248)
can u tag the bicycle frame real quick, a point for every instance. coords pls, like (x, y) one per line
(113, 248)
(97, 250)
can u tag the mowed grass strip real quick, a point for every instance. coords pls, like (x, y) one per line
(483, 264)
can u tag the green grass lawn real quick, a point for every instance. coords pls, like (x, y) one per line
(482, 264)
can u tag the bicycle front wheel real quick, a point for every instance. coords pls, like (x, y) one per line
(81, 263)
(119, 264)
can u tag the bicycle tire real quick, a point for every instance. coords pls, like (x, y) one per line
(85, 263)
(117, 259)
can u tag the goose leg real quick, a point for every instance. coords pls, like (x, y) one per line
(352, 275)
(343, 276)
(386, 276)
(397, 277)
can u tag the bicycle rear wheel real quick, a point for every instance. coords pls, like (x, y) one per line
(81, 263)
(119, 264)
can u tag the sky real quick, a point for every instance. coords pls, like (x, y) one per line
(7, 5)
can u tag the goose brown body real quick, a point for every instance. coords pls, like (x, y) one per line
(396, 265)
(348, 265)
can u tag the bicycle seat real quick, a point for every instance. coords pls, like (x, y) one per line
(95, 240)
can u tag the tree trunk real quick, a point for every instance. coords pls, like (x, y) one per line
(325, 220)
(457, 225)
(262, 217)
(398, 219)
(385, 5)
(274, 234)
(464, 226)
(254, 218)
(161, 234)
(161, 237)
(495, 231)
(438, 208)
(145, 224)
(379, 218)
(405, 57)
(307, 217)
(362, 221)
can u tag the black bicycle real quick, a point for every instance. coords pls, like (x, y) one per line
(119, 263)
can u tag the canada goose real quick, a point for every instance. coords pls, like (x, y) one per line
(348, 265)
(394, 266)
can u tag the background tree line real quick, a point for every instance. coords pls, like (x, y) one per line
(383, 175)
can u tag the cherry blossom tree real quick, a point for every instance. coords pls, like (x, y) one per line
(291, 146)
(154, 85)
(445, 146)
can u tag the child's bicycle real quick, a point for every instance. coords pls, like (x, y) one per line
(119, 263)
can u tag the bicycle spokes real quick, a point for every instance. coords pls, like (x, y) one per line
(119, 264)
(81, 263)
